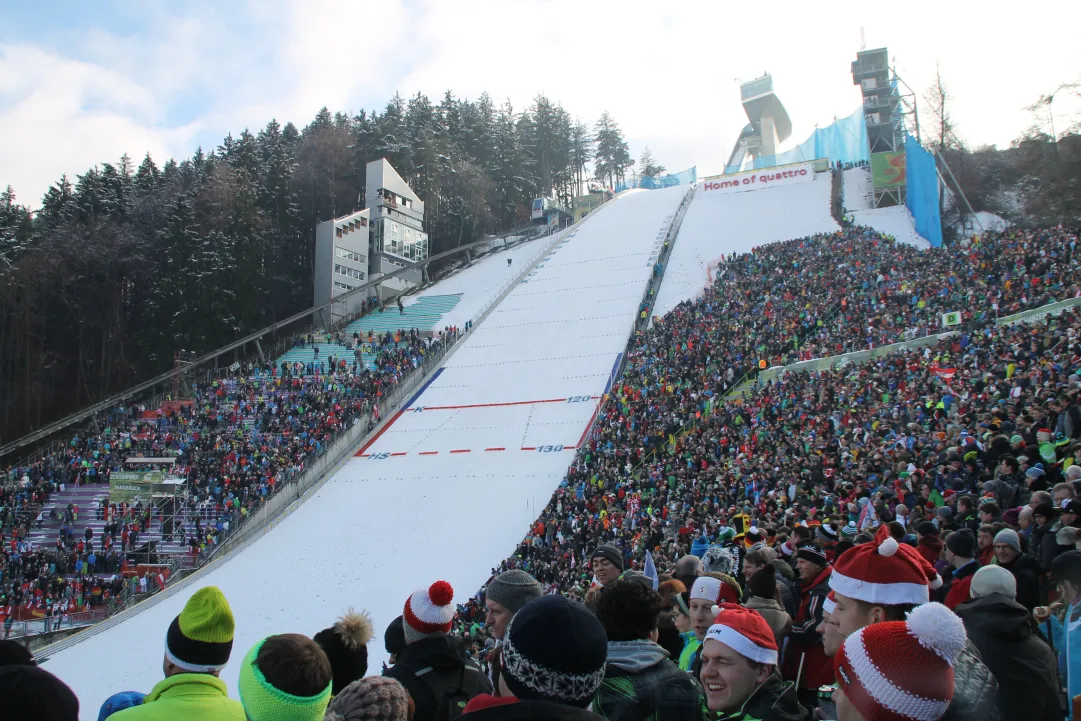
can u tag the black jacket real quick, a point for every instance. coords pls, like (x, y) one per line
(641, 682)
(1027, 574)
(524, 710)
(1021, 661)
(975, 691)
(437, 657)
(775, 700)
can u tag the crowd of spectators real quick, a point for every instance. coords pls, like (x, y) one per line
(236, 441)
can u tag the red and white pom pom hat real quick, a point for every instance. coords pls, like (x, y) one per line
(902, 670)
(428, 611)
(884, 572)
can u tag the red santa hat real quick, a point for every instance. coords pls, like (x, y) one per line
(902, 670)
(428, 611)
(744, 631)
(830, 603)
(884, 572)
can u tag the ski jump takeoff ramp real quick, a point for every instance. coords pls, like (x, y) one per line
(449, 488)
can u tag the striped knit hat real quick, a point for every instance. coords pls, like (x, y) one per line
(428, 611)
(200, 639)
(902, 670)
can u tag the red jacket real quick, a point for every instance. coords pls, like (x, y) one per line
(961, 585)
(930, 547)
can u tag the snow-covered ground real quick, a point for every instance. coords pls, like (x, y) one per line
(449, 489)
(896, 221)
(717, 224)
(483, 280)
(986, 220)
(857, 192)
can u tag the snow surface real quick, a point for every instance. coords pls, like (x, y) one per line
(385, 525)
(857, 192)
(720, 223)
(988, 220)
(896, 221)
(483, 280)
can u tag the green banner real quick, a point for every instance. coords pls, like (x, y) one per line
(129, 485)
(888, 170)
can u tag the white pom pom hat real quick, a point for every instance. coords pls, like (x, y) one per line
(884, 572)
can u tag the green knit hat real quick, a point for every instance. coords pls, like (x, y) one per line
(263, 701)
(200, 639)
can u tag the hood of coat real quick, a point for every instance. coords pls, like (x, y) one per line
(635, 656)
(997, 616)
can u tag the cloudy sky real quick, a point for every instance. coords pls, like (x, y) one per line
(83, 82)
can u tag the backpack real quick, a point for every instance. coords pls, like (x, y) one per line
(450, 700)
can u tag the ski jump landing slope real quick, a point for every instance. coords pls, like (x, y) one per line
(719, 222)
(449, 488)
(859, 203)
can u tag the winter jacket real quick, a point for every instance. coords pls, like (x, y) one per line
(186, 696)
(525, 710)
(930, 547)
(642, 684)
(1043, 547)
(775, 700)
(975, 691)
(1021, 661)
(778, 619)
(1066, 640)
(434, 658)
(1027, 574)
(691, 645)
(805, 641)
(958, 589)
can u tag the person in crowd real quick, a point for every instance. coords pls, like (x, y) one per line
(198, 644)
(285, 678)
(29, 693)
(687, 569)
(706, 593)
(346, 647)
(640, 681)
(1025, 570)
(119, 702)
(1061, 621)
(900, 669)
(884, 581)
(929, 544)
(374, 698)
(739, 670)
(394, 640)
(960, 552)
(433, 666)
(554, 656)
(1020, 659)
(763, 589)
(985, 545)
(1042, 544)
(805, 660)
(505, 596)
(607, 564)
(759, 558)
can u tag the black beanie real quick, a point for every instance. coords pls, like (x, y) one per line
(927, 529)
(962, 542)
(33, 694)
(611, 553)
(814, 554)
(1067, 567)
(763, 582)
(345, 644)
(13, 653)
(394, 637)
(554, 650)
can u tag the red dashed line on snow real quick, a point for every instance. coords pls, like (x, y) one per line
(428, 453)
(462, 450)
(486, 450)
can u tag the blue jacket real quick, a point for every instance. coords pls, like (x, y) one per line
(1066, 639)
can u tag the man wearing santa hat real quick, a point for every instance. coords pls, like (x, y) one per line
(884, 582)
(739, 670)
